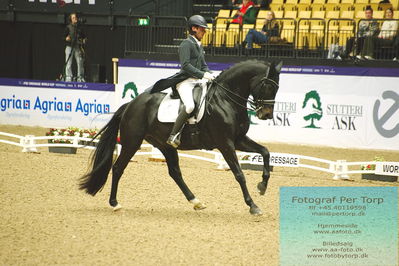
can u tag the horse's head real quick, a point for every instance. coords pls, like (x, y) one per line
(263, 88)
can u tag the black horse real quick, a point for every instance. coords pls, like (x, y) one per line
(224, 127)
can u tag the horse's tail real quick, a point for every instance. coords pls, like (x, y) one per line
(102, 159)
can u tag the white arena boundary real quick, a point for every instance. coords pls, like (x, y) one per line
(339, 169)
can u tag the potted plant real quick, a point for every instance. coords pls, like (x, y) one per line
(71, 132)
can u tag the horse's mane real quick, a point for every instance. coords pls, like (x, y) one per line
(242, 65)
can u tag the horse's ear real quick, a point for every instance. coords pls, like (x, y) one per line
(279, 66)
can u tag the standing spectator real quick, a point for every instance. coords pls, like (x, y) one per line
(367, 28)
(74, 39)
(270, 29)
(246, 14)
(386, 37)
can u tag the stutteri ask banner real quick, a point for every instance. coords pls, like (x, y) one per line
(340, 107)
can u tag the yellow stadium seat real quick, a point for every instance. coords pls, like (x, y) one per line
(278, 1)
(294, 2)
(290, 7)
(232, 35)
(348, 2)
(347, 14)
(396, 14)
(262, 13)
(275, 7)
(379, 14)
(302, 7)
(374, 6)
(317, 7)
(359, 7)
(224, 13)
(279, 14)
(319, 2)
(207, 39)
(233, 13)
(375, 1)
(219, 35)
(319, 14)
(307, 2)
(290, 14)
(332, 14)
(331, 7)
(259, 23)
(304, 14)
(361, 1)
(346, 6)
(360, 14)
(333, 1)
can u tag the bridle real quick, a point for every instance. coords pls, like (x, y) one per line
(255, 104)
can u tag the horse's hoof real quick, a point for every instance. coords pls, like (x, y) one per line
(117, 207)
(255, 211)
(199, 206)
(261, 188)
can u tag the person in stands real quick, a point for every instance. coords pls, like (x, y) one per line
(246, 14)
(386, 37)
(367, 28)
(270, 29)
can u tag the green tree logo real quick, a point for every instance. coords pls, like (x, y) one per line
(130, 86)
(315, 112)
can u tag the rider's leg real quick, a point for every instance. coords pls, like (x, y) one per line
(185, 89)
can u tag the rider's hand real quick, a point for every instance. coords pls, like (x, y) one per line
(209, 76)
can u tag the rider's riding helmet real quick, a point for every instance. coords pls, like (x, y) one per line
(197, 20)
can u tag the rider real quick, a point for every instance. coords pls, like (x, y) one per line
(193, 69)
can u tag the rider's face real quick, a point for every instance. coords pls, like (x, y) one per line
(199, 32)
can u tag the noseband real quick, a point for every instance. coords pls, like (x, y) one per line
(258, 104)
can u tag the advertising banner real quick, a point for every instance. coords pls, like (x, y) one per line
(55, 104)
(315, 105)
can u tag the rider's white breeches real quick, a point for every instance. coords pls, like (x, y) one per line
(185, 89)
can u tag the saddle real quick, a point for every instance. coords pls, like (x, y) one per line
(171, 105)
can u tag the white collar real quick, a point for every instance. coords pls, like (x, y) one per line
(196, 40)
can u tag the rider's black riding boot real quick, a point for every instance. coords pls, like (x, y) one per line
(174, 138)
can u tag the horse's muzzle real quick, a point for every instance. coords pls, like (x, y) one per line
(265, 113)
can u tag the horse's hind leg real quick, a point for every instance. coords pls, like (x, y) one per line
(172, 160)
(248, 145)
(127, 152)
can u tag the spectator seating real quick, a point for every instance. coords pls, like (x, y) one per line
(305, 24)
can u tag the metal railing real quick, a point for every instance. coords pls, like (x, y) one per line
(302, 38)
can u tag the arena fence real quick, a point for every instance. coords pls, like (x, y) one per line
(340, 168)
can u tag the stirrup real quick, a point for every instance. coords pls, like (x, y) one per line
(174, 140)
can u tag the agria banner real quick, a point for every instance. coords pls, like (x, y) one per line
(55, 104)
(316, 105)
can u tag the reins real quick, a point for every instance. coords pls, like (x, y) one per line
(255, 105)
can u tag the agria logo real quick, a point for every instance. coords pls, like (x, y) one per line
(130, 89)
(312, 108)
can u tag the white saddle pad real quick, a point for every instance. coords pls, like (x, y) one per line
(169, 109)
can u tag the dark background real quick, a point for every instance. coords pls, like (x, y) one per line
(32, 42)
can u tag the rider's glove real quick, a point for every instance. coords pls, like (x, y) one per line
(209, 76)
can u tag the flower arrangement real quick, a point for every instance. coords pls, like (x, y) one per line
(70, 131)
(371, 167)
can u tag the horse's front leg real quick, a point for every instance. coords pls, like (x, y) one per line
(248, 145)
(172, 160)
(230, 157)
